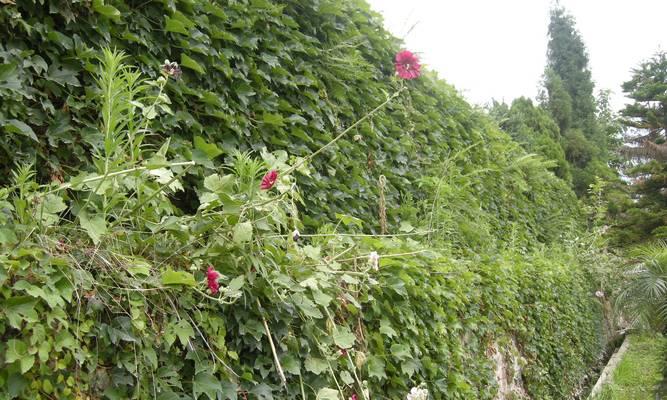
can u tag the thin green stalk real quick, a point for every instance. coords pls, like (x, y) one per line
(155, 193)
(354, 125)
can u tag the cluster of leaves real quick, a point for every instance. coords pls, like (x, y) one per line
(644, 294)
(284, 75)
(536, 131)
(128, 317)
(103, 265)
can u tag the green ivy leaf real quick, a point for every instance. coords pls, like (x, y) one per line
(16, 350)
(406, 227)
(210, 149)
(218, 184)
(174, 25)
(386, 329)
(7, 237)
(376, 367)
(236, 284)
(312, 252)
(343, 337)
(20, 309)
(206, 383)
(273, 119)
(346, 377)
(315, 365)
(400, 351)
(327, 394)
(94, 226)
(20, 127)
(105, 9)
(188, 62)
(291, 364)
(170, 277)
(242, 232)
(184, 331)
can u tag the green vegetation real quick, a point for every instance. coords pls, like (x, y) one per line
(569, 98)
(646, 153)
(404, 235)
(644, 295)
(535, 130)
(640, 371)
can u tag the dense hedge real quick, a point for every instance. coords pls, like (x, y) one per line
(129, 318)
(102, 284)
(286, 75)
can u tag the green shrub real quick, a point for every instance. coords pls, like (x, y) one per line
(105, 240)
(285, 75)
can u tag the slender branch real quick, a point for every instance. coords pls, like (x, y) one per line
(68, 185)
(273, 347)
(155, 193)
(421, 233)
(354, 125)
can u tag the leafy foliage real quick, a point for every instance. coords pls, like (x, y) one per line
(644, 218)
(107, 237)
(644, 296)
(568, 95)
(535, 130)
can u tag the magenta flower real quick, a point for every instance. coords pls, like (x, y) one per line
(407, 65)
(269, 180)
(354, 396)
(212, 277)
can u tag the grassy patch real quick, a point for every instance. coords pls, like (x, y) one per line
(640, 371)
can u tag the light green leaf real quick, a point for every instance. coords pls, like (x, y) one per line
(344, 337)
(321, 298)
(307, 306)
(349, 220)
(210, 149)
(327, 394)
(20, 127)
(105, 9)
(273, 119)
(188, 62)
(236, 284)
(386, 329)
(242, 232)
(184, 331)
(406, 227)
(207, 384)
(376, 367)
(95, 226)
(218, 184)
(174, 25)
(54, 204)
(400, 351)
(346, 378)
(165, 176)
(139, 267)
(19, 309)
(170, 277)
(316, 365)
(16, 350)
(7, 237)
(291, 364)
(312, 252)
(26, 363)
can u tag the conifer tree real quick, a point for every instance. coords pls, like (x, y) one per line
(646, 152)
(568, 95)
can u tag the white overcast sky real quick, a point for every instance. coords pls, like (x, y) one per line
(491, 49)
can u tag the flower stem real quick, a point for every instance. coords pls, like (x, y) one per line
(349, 128)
